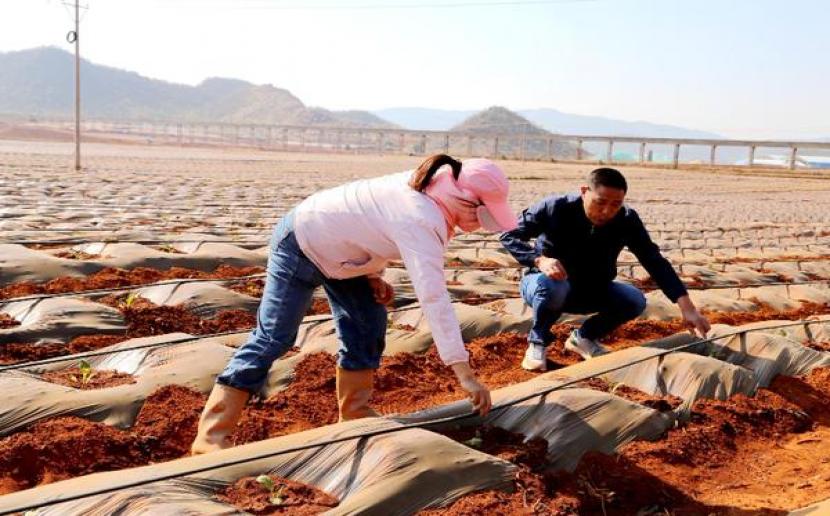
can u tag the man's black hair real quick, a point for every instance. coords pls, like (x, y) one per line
(608, 177)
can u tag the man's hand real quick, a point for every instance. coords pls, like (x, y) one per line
(692, 318)
(552, 268)
(383, 291)
(479, 394)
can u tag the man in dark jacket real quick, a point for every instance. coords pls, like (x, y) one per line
(574, 262)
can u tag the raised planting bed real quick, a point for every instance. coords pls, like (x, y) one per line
(143, 319)
(7, 321)
(270, 494)
(738, 456)
(76, 255)
(167, 422)
(84, 377)
(116, 278)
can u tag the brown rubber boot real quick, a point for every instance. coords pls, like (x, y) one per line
(222, 410)
(354, 389)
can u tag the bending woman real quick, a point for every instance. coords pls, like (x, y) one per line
(342, 239)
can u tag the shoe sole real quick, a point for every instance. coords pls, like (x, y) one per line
(574, 349)
(541, 367)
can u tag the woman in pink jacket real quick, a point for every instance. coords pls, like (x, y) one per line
(342, 239)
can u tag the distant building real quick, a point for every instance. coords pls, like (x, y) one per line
(779, 161)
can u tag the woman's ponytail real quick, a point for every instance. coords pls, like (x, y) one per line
(423, 174)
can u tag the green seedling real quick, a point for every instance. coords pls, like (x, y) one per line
(132, 297)
(475, 442)
(615, 386)
(275, 492)
(86, 373)
(167, 248)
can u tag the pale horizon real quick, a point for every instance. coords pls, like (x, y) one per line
(743, 70)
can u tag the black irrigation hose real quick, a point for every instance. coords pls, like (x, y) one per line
(407, 426)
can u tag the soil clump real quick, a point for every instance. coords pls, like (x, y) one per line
(249, 495)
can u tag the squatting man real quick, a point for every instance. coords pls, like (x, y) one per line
(572, 266)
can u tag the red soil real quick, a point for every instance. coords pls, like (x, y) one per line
(759, 455)
(250, 496)
(99, 380)
(114, 278)
(819, 346)
(319, 306)
(767, 452)
(309, 401)
(251, 287)
(168, 421)
(76, 255)
(639, 331)
(717, 427)
(7, 321)
(65, 447)
(15, 352)
(659, 403)
(600, 485)
(143, 320)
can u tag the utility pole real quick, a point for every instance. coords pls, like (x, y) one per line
(77, 89)
(73, 37)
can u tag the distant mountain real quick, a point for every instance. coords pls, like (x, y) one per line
(501, 120)
(39, 82)
(550, 119)
(497, 119)
(567, 123)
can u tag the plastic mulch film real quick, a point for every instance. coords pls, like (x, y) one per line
(203, 299)
(817, 509)
(28, 398)
(19, 263)
(409, 330)
(813, 329)
(685, 375)
(572, 420)
(59, 320)
(768, 353)
(395, 473)
(196, 364)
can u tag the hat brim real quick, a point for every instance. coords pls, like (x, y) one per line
(497, 217)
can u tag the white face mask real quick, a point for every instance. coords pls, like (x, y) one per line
(485, 218)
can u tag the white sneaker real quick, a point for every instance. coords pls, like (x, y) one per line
(535, 359)
(586, 348)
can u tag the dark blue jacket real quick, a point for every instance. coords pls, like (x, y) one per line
(589, 254)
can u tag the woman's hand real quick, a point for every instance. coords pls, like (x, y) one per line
(383, 291)
(479, 394)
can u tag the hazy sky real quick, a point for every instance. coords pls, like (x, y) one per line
(751, 68)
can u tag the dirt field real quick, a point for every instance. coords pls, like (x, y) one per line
(170, 244)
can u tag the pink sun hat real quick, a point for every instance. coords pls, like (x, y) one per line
(488, 182)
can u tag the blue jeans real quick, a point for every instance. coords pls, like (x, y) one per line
(612, 306)
(290, 282)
